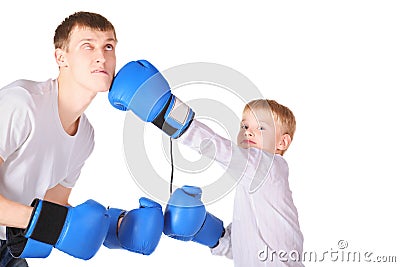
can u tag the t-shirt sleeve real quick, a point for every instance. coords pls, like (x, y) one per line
(72, 177)
(15, 120)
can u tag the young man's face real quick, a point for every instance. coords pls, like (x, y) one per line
(90, 59)
(257, 130)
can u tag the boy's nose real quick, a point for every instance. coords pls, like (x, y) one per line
(248, 132)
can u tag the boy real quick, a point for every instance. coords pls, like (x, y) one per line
(45, 139)
(265, 220)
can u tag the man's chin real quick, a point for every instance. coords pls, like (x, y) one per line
(104, 90)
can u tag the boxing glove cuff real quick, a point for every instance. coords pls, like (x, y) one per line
(111, 241)
(47, 221)
(211, 231)
(174, 118)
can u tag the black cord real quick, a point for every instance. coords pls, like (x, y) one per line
(172, 166)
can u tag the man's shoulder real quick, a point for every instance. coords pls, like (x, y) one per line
(22, 92)
(28, 86)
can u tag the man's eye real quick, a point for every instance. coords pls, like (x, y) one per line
(109, 47)
(87, 47)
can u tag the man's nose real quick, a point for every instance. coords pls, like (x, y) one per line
(100, 58)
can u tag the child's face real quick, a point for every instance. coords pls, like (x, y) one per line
(257, 130)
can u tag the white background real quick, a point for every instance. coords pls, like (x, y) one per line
(334, 63)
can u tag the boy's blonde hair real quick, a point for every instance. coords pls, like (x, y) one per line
(282, 114)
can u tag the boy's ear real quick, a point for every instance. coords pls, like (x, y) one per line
(284, 142)
(60, 58)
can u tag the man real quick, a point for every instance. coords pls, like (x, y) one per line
(45, 139)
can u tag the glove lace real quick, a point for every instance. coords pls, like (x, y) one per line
(172, 166)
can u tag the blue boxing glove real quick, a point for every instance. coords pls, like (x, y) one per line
(140, 229)
(78, 231)
(186, 218)
(140, 87)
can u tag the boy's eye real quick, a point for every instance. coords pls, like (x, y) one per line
(244, 127)
(261, 128)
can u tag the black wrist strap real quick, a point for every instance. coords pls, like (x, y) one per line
(47, 229)
(50, 222)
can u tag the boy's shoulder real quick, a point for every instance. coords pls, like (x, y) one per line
(280, 159)
(280, 167)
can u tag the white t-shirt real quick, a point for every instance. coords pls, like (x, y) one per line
(265, 222)
(37, 153)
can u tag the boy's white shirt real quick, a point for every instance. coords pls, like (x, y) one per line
(37, 153)
(265, 218)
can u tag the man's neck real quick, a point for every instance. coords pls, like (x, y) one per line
(72, 102)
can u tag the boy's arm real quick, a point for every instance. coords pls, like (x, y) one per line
(140, 87)
(224, 247)
(248, 163)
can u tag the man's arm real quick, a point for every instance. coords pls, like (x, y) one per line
(12, 213)
(58, 194)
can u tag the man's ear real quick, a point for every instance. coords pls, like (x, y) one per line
(284, 142)
(60, 58)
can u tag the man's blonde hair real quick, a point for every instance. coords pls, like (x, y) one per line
(282, 114)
